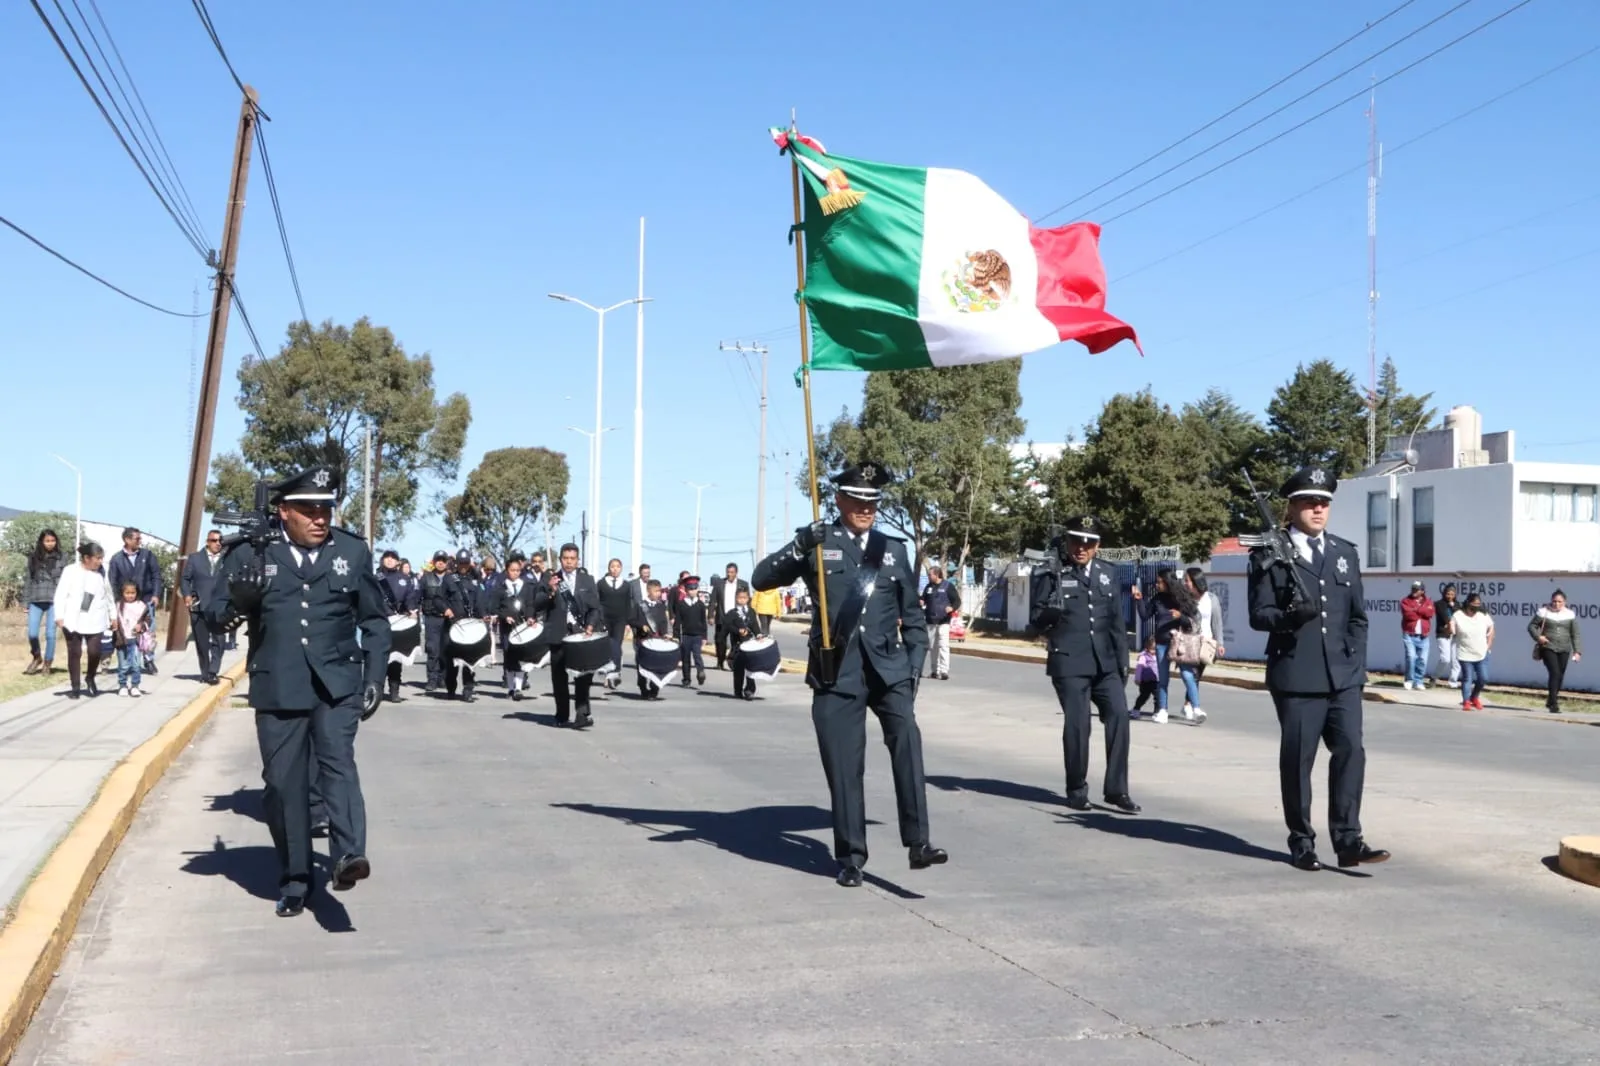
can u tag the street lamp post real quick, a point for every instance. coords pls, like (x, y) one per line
(599, 386)
(698, 489)
(612, 511)
(592, 539)
(78, 514)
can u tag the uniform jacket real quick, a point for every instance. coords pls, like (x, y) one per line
(718, 584)
(521, 603)
(198, 579)
(735, 622)
(652, 620)
(1086, 635)
(616, 604)
(1327, 653)
(891, 633)
(464, 597)
(400, 593)
(689, 617)
(583, 603)
(306, 628)
(431, 585)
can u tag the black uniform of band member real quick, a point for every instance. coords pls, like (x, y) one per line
(401, 596)
(1314, 611)
(463, 598)
(1077, 607)
(431, 585)
(575, 609)
(742, 625)
(879, 643)
(305, 597)
(651, 619)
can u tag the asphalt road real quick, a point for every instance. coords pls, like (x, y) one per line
(659, 890)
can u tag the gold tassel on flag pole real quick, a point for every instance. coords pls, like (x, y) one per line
(805, 382)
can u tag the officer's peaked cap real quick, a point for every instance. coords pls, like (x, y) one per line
(1315, 481)
(316, 484)
(463, 556)
(864, 481)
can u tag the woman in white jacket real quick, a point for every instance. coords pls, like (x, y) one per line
(83, 611)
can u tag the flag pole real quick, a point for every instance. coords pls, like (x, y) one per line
(805, 382)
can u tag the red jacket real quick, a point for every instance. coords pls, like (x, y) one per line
(1413, 611)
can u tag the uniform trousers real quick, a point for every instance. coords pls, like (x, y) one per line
(841, 723)
(291, 740)
(1335, 720)
(433, 646)
(689, 654)
(741, 682)
(1104, 691)
(568, 691)
(207, 646)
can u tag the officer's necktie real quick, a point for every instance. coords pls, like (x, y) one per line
(1316, 554)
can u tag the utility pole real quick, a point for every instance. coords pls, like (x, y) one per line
(638, 415)
(788, 480)
(698, 489)
(761, 460)
(1374, 173)
(211, 377)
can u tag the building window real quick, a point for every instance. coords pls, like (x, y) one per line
(1421, 527)
(1543, 501)
(1378, 529)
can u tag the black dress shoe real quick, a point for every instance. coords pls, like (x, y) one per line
(1124, 802)
(1361, 855)
(289, 906)
(926, 855)
(849, 877)
(1080, 803)
(72, 695)
(319, 828)
(1307, 861)
(350, 869)
(585, 720)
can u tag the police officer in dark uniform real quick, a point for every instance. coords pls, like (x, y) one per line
(431, 585)
(305, 596)
(1314, 611)
(400, 597)
(1077, 607)
(464, 598)
(879, 642)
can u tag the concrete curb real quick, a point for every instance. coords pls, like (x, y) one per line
(32, 945)
(1580, 859)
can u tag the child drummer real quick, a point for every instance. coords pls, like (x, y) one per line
(651, 619)
(514, 606)
(743, 625)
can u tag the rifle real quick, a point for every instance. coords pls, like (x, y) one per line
(1051, 557)
(1276, 539)
(257, 527)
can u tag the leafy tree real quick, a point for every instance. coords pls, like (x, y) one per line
(507, 497)
(944, 434)
(1317, 417)
(1232, 439)
(311, 403)
(16, 544)
(1145, 472)
(1400, 414)
(232, 486)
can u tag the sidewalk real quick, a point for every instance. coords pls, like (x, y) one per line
(55, 753)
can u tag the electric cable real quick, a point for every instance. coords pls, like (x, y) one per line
(86, 272)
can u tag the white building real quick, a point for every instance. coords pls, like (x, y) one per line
(1456, 500)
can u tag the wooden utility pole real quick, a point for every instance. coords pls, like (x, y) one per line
(211, 376)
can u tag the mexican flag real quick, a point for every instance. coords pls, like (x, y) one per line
(911, 267)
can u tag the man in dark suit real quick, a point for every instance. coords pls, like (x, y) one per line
(616, 607)
(305, 596)
(639, 588)
(1314, 610)
(724, 597)
(1077, 605)
(574, 608)
(138, 565)
(198, 584)
(878, 644)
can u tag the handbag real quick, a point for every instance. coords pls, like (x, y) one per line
(1538, 649)
(1192, 649)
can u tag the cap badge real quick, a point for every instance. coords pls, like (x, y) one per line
(320, 479)
(1318, 477)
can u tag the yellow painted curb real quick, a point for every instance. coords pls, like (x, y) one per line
(1580, 859)
(31, 947)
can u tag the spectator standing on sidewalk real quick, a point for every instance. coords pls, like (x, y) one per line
(1556, 643)
(83, 611)
(1416, 620)
(45, 564)
(1444, 608)
(1473, 630)
(138, 564)
(940, 603)
(198, 583)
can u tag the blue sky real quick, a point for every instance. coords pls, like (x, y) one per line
(443, 167)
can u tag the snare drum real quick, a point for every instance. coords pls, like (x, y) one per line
(656, 659)
(524, 648)
(589, 654)
(758, 657)
(467, 642)
(405, 637)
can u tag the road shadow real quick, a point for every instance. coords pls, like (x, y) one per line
(990, 786)
(244, 801)
(254, 868)
(761, 834)
(535, 719)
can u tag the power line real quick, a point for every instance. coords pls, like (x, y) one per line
(1301, 124)
(283, 233)
(1469, 112)
(244, 316)
(196, 241)
(86, 272)
(1241, 106)
(211, 31)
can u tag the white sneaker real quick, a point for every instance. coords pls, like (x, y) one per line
(1187, 713)
(1199, 715)
(122, 690)
(135, 693)
(1159, 718)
